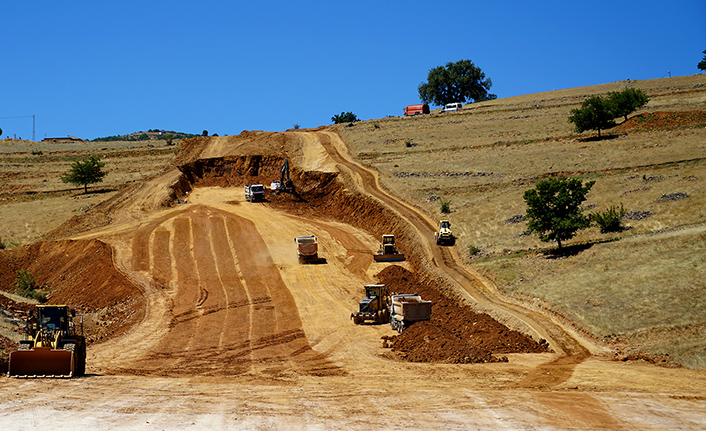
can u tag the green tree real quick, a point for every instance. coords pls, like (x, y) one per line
(85, 172)
(702, 63)
(461, 81)
(595, 113)
(624, 103)
(344, 117)
(554, 210)
(204, 133)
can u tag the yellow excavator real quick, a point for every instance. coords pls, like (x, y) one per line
(54, 346)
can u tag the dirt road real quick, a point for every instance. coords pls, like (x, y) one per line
(238, 335)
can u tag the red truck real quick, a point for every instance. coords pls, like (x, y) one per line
(416, 109)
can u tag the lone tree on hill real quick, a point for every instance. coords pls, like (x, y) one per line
(344, 117)
(702, 63)
(461, 81)
(594, 114)
(624, 103)
(85, 172)
(554, 210)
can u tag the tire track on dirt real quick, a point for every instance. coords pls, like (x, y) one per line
(571, 351)
(231, 312)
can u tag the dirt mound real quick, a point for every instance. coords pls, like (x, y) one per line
(662, 120)
(80, 274)
(455, 333)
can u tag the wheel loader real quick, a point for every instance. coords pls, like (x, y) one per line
(388, 250)
(375, 306)
(54, 346)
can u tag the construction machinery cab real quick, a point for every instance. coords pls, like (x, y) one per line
(54, 346)
(375, 305)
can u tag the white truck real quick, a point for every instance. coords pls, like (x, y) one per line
(254, 192)
(406, 309)
(307, 248)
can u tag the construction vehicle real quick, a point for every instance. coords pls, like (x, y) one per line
(254, 192)
(443, 234)
(375, 306)
(307, 248)
(54, 346)
(388, 250)
(406, 309)
(285, 183)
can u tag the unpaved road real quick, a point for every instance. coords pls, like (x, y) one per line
(239, 335)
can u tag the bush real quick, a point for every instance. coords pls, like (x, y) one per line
(3, 246)
(473, 250)
(610, 219)
(445, 206)
(26, 285)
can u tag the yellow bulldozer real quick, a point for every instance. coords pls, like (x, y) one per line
(53, 347)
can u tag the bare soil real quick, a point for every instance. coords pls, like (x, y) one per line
(201, 316)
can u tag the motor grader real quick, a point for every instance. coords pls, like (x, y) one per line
(54, 346)
(388, 250)
(375, 306)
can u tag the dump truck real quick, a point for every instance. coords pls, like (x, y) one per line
(406, 309)
(54, 346)
(307, 248)
(254, 192)
(375, 306)
(443, 234)
(388, 250)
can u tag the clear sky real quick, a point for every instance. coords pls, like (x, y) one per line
(100, 68)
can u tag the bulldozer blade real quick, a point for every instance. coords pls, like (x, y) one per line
(397, 257)
(41, 362)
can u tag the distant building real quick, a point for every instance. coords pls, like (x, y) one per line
(64, 139)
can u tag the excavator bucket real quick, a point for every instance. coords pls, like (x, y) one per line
(41, 362)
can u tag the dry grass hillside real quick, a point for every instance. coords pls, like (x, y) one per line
(639, 289)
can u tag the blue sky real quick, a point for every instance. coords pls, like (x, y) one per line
(100, 68)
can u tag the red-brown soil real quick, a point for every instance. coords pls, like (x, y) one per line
(455, 333)
(664, 120)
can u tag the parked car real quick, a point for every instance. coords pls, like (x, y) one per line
(452, 107)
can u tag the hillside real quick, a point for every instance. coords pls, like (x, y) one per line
(640, 289)
(198, 312)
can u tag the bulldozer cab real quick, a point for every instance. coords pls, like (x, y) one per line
(444, 224)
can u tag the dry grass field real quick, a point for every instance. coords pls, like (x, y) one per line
(639, 289)
(34, 200)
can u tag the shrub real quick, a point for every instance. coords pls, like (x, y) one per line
(445, 206)
(473, 250)
(610, 219)
(2, 244)
(26, 285)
